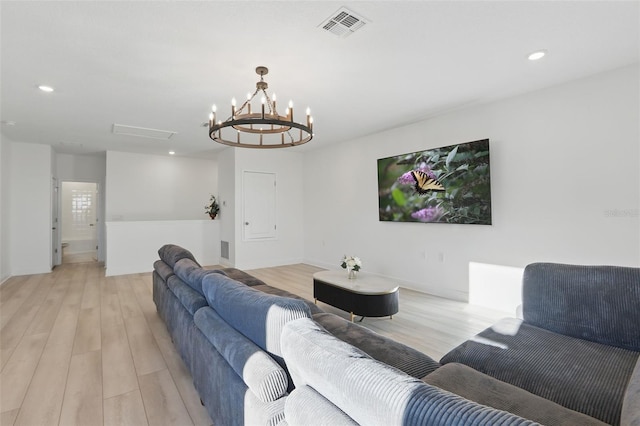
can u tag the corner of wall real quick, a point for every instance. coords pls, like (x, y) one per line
(227, 196)
(5, 192)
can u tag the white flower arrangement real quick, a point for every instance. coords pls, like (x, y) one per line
(351, 263)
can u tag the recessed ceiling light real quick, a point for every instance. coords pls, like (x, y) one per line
(538, 54)
(171, 152)
(45, 88)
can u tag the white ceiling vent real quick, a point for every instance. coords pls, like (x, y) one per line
(343, 22)
(141, 132)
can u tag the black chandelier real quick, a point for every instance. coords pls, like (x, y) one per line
(265, 128)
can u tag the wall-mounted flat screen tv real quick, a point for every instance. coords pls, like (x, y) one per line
(443, 185)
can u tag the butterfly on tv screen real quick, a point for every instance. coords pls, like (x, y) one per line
(425, 183)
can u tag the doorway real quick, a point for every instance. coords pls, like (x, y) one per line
(56, 252)
(79, 222)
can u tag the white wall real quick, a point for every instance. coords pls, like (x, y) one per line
(30, 208)
(565, 188)
(5, 229)
(133, 246)
(287, 247)
(227, 201)
(143, 188)
(153, 187)
(81, 168)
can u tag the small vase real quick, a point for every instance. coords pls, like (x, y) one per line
(352, 274)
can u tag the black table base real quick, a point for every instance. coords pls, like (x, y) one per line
(365, 305)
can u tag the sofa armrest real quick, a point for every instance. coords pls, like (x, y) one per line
(631, 405)
(383, 349)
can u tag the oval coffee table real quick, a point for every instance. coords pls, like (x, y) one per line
(367, 295)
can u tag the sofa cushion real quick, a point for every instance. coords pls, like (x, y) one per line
(305, 406)
(631, 405)
(192, 273)
(266, 379)
(255, 314)
(190, 299)
(171, 253)
(371, 392)
(596, 303)
(584, 376)
(486, 390)
(164, 271)
(279, 292)
(242, 277)
(383, 349)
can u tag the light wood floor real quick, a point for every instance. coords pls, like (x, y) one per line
(77, 348)
(430, 324)
(88, 256)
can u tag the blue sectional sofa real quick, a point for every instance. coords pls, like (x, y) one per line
(228, 334)
(226, 326)
(572, 360)
(261, 355)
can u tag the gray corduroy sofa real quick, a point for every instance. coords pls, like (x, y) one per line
(227, 332)
(226, 325)
(577, 344)
(337, 384)
(247, 344)
(573, 360)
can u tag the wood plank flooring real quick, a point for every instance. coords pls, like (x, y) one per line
(430, 324)
(78, 348)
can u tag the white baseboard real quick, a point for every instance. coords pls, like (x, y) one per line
(268, 264)
(409, 285)
(5, 279)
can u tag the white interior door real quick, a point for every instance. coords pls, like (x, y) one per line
(259, 205)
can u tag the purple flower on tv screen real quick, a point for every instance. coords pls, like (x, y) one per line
(425, 168)
(428, 214)
(406, 179)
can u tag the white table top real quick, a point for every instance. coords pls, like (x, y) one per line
(364, 283)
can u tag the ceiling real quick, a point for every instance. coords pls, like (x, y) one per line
(162, 64)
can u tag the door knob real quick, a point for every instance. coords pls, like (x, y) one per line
(246, 223)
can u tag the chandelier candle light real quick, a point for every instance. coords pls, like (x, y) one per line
(263, 129)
